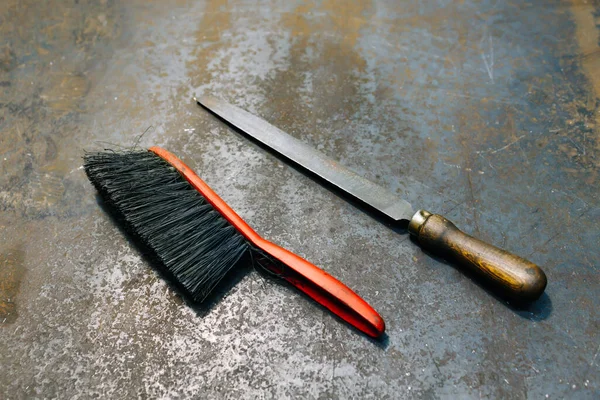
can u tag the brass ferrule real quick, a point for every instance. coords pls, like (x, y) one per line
(414, 226)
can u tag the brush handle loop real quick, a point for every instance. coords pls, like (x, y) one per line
(313, 281)
(326, 290)
(508, 275)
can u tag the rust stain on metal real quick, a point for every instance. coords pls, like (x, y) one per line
(216, 19)
(65, 92)
(587, 37)
(587, 21)
(12, 271)
(49, 69)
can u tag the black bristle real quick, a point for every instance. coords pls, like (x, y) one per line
(194, 243)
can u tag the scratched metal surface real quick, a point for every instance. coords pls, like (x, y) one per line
(487, 111)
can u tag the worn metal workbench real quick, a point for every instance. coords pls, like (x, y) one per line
(492, 106)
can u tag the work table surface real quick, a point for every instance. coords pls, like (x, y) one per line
(487, 112)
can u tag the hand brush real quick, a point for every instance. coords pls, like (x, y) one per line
(198, 238)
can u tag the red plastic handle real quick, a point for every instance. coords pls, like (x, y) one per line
(313, 281)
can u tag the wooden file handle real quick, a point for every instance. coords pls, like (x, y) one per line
(509, 275)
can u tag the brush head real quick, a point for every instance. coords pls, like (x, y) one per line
(192, 241)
